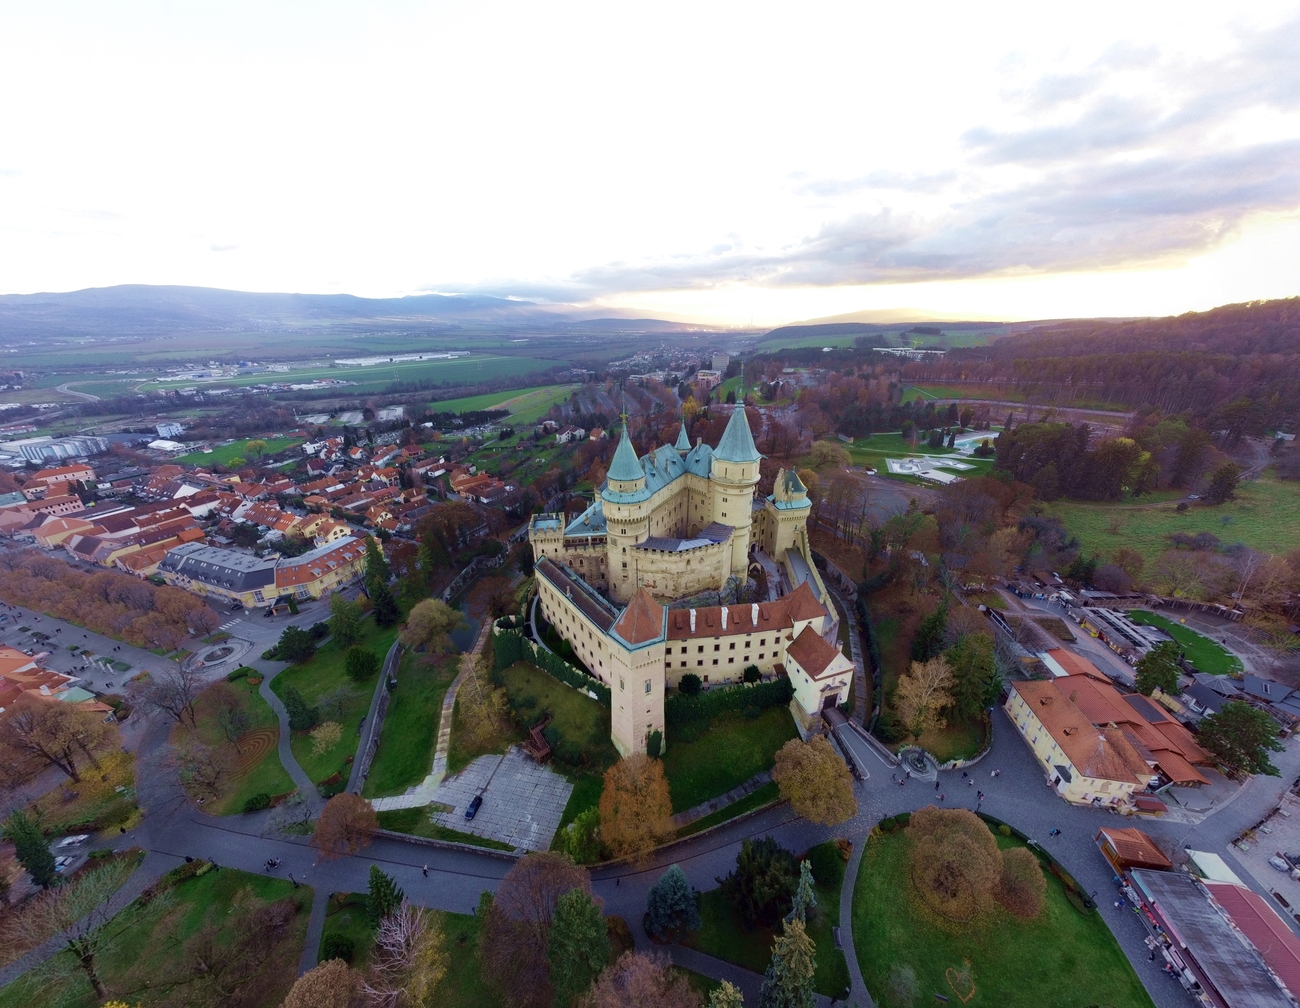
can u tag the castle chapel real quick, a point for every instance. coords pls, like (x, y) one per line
(671, 524)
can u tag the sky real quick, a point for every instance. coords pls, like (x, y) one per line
(738, 164)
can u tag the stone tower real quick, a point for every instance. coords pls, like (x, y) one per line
(627, 515)
(733, 476)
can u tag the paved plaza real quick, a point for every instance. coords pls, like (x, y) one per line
(523, 803)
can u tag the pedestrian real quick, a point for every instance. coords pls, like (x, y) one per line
(943, 797)
(936, 785)
(901, 783)
(617, 882)
(963, 773)
(979, 795)
(971, 782)
(425, 869)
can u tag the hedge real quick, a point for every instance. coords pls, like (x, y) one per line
(679, 709)
(510, 646)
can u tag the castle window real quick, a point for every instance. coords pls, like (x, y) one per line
(699, 663)
(731, 646)
(717, 647)
(731, 660)
(647, 688)
(760, 656)
(763, 642)
(701, 650)
(620, 684)
(683, 664)
(715, 661)
(625, 565)
(746, 657)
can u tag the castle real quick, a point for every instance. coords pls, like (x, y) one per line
(671, 524)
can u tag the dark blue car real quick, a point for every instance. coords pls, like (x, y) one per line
(474, 804)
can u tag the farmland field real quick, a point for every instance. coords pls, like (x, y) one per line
(525, 405)
(1264, 516)
(223, 455)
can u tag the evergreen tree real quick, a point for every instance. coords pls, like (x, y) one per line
(376, 565)
(1223, 484)
(726, 996)
(30, 849)
(762, 885)
(671, 906)
(384, 607)
(928, 641)
(295, 645)
(804, 897)
(1159, 667)
(345, 621)
(360, 664)
(976, 682)
(424, 563)
(1241, 737)
(384, 896)
(301, 717)
(579, 945)
(788, 982)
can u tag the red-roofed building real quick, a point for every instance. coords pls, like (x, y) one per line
(1267, 931)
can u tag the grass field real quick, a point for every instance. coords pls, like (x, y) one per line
(92, 802)
(525, 405)
(410, 733)
(579, 719)
(417, 822)
(318, 678)
(1202, 652)
(347, 918)
(1063, 958)
(223, 454)
(463, 986)
(1265, 516)
(706, 761)
(460, 755)
(475, 367)
(150, 948)
(725, 937)
(265, 776)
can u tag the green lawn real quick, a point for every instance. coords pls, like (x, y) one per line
(956, 740)
(582, 723)
(461, 755)
(410, 733)
(1063, 958)
(705, 761)
(765, 795)
(417, 822)
(223, 455)
(267, 775)
(153, 935)
(463, 986)
(585, 795)
(525, 405)
(1264, 516)
(347, 917)
(1202, 652)
(724, 936)
(321, 676)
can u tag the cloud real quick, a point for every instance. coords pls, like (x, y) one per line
(1133, 160)
(222, 248)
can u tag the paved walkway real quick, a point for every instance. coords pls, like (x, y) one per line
(426, 791)
(305, 785)
(860, 710)
(373, 722)
(722, 801)
(320, 904)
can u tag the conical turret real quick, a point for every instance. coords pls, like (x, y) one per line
(683, 444)
(626, 467)
(737, 444)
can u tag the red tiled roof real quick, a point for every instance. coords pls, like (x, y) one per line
(1088, 749)
(1135, 848)
(1266, 930)
(642, 621)
(812, 653)
(803, 603)
(708, 621)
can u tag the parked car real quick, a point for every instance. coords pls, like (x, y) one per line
(60, 863)
(1279, 863)
(237, 607)
(68, 843)
(474, 805)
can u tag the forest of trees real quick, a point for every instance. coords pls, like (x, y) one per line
(1235, 367)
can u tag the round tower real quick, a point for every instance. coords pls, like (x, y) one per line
(627, 515)
(733, 475)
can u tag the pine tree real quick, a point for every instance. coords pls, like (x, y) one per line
(804, 897)
(928, 641)
(31, 850)
(424, 563)
(376, 565)
(301, 717)
(385, 608)
(726, 996)
(579, 945)
(384, 896)
(671, 905)
(345, 621)
(788, 982)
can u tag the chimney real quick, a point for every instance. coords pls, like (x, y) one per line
(753, 613)
(1074, 696)
(692, 621)
(724, 617)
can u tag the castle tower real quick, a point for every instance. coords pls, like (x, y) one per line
(627, 516)
(787, 512)
(637, 673)
(683, 444)
(733, 475)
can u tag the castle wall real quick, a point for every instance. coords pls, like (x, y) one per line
(637, 697)
(669, 576)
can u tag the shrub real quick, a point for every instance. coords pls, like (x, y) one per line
(690, 685)
(824, 861)
(888, 824)
(360, 664)
(903, 818)
(1004, 829)
(654, 744)
(257, 802)
(680, 709)
(319, 631)
(240, 673)
(337, 946)
(301, 717)
(270, 654)
(752, 674)
(100, 854)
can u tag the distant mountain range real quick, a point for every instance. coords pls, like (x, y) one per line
(141, 309)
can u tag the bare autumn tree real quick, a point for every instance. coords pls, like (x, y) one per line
(347, 823)
(332, 984)
(228, 709)
(37, 733)
(77, 914)
(204, 769)
(923, 694)
(204, 621)
(517, 926)
(816, 781)
(954, 863)
(646, 981)
(635, 806)
(174, 691)
(410, 959)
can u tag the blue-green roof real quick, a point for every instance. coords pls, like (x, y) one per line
(737, 444)
(683, 442)
(626, 466)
